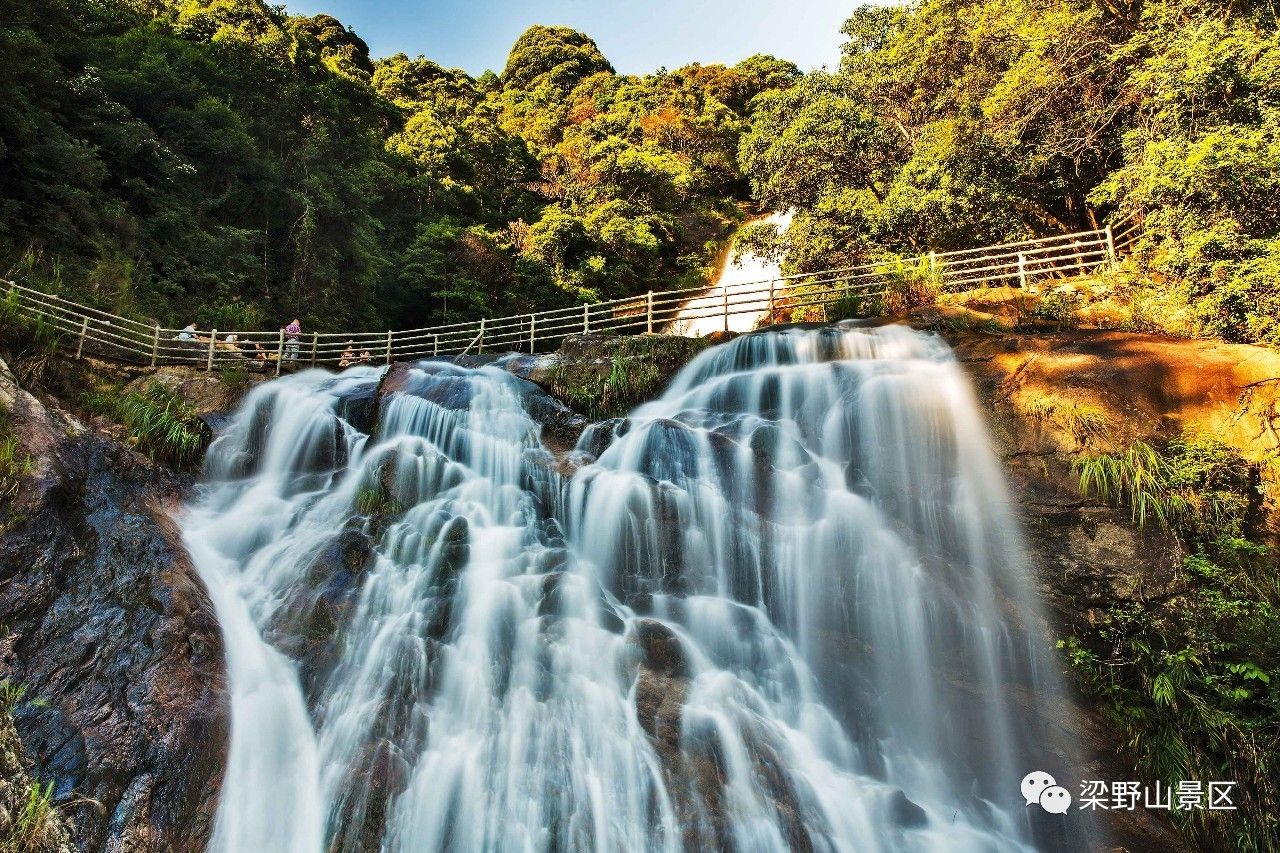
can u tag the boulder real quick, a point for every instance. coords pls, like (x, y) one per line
(110, 630)
(602, 376)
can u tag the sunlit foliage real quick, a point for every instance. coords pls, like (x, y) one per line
(221, 161)
(953, 123)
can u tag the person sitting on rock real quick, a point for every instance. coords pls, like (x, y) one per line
(188, 333)
(366, 357)
(348, 356)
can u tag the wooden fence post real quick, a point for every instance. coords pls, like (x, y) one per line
(280, 353)
(533, 336)
(480, 348)
(649, 314)
(586, 319)
(1022, 270)
(726, 309)
(213, 342)
(315, 345)
(1111, 246)
(435, 344)
(771, 305)
(84, 328)
(155, 345)
(388, 346)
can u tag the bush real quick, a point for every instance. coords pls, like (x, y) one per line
(1192, 681)
(1058, 307)
(909, 284)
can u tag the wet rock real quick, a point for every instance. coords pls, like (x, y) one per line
(660, 648)
(600, 436)
(904, 813)
(111, 632)
(437, 381)
(380, 775)
(359, 407)
(551, 601)
(561, 426)
(453, 551)
(307, 627)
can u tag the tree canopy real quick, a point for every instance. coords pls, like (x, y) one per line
(953, 123)
(220, 160)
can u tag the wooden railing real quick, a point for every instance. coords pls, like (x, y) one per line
(84, 329)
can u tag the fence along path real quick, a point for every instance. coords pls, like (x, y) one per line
(88, 330)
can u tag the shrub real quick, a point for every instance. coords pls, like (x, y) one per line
(1191, 680)
(909, 283)
(1058, 307)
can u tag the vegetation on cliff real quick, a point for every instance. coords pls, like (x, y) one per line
(1188, 679)
(158, 422)
(605, 377)
(29, 823)
(954, 123)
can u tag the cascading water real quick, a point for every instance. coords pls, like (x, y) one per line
(738, 284)
(781, 607)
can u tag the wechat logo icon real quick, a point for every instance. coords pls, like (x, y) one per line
(1041, 788)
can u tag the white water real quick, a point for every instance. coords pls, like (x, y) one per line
(740, 281)
(770, 615)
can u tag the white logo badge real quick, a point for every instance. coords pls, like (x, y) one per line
(1040, 787)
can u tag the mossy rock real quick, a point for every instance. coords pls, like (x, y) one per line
(605, 376)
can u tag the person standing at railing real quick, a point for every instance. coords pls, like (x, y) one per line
(292, 336)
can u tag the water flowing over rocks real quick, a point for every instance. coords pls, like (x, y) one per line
(110, 631)
(434, 530)
(764, 611)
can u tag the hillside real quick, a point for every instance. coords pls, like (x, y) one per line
(226, 163)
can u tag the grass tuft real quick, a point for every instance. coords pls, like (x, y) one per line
(163, 425)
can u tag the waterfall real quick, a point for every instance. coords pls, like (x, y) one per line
(739, 282)
(784, 606)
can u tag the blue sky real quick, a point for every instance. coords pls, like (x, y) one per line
(637, 36)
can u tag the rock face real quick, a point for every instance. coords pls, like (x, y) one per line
(111, 633)
(1052, 396)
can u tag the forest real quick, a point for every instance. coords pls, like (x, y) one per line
(227, 163)
(223, 161)
(955, 123)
